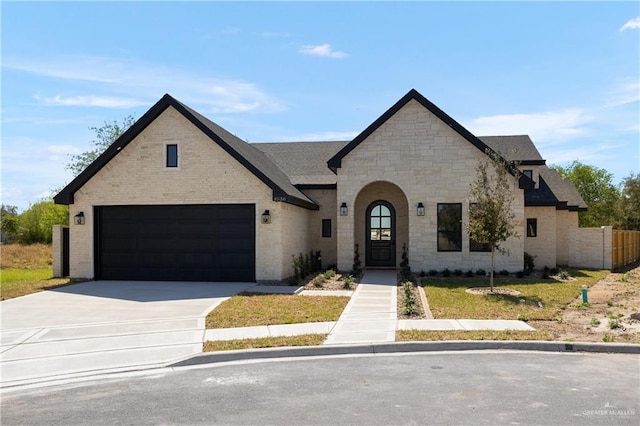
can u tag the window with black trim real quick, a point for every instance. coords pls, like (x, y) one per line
(528, 173)
(172, 155)
(450, 227)
(532, 227)
(474, 245)
(326, 228)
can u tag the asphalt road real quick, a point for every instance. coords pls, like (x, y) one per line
(437, 388)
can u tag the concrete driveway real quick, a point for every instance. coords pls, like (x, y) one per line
(104, 326)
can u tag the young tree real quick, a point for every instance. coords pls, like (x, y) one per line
(35, 225)
(8, 222)
(595, 187)
(628, 207)
(491, 220)
(105, 136)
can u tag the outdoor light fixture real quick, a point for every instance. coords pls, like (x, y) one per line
(343, 209)
(420, 209)
(266, 217)
(79, 218)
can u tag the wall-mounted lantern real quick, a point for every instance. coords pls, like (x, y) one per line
(266, 217)
(79, 219)
(343, 209)
(420, 209)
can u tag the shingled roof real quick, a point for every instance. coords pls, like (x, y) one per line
(254, 160)
(518, 148)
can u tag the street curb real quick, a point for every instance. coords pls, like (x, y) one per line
(406, 347)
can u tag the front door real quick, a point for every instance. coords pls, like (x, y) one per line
(381, 234)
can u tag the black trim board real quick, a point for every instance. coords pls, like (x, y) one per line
(66, 195)
(336, 161)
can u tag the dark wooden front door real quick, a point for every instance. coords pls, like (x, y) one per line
(381, 234)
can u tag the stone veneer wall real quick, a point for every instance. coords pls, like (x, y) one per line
(591, 247)
(326, 199)
(542, 246)
(430, 163)
(206, 175)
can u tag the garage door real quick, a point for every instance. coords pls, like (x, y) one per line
(175, 243)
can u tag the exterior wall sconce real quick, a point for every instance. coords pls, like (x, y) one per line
(79, 219)
(266, 217)
(420, 209)
(343, 209)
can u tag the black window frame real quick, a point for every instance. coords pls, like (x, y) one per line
(172, 155)
(528, 173)
(532, 227)
(326, 228)
(475, 246)
(456, 231)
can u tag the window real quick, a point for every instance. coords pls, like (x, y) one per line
(450, 227)
(380, 223)
(528, 173)
(326, 228)
(532, 227)
(474, 245)
(172, 155)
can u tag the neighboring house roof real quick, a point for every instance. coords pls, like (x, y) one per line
(304, 162)
(254, 160)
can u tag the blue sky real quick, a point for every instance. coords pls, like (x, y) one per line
(567, 74)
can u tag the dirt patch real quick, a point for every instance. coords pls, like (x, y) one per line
(612, 314)
(485, 291)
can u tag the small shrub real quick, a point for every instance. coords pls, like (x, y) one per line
(481, 272)
(423, 273)
(318, 281)
(523, 317)
(405, 269)
(410, 307)
(528, 263)
(554, 271)
(446, 272)
(458, 272)
(614, 323)
(595, 322)
(347, 282)
(545, 275)
(357, 264)
(329, 274)
(469, 274)
(545, 269)
(624, 278)
(504, 273)
(609, 303)
(564, 275)
(520, 274)
(433, 273)
(608, 338)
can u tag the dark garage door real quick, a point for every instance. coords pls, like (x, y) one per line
(175, 243)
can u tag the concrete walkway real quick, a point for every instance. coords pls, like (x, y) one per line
(371, 314)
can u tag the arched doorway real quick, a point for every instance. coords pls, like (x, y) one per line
(381, 234)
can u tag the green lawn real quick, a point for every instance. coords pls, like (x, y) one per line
(20, 282)
(448, 299)
(265, 342)
(248, 310)
(432, 335)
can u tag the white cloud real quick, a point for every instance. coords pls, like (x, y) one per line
(61, 152)
(631, 24)
(127, 83)
(625, 93)
(324, 50)
(543, 127)
(93, 101)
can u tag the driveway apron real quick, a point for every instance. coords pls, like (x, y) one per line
(371, 314)
(104, 326)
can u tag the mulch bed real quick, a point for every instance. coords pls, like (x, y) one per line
(487, 290)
